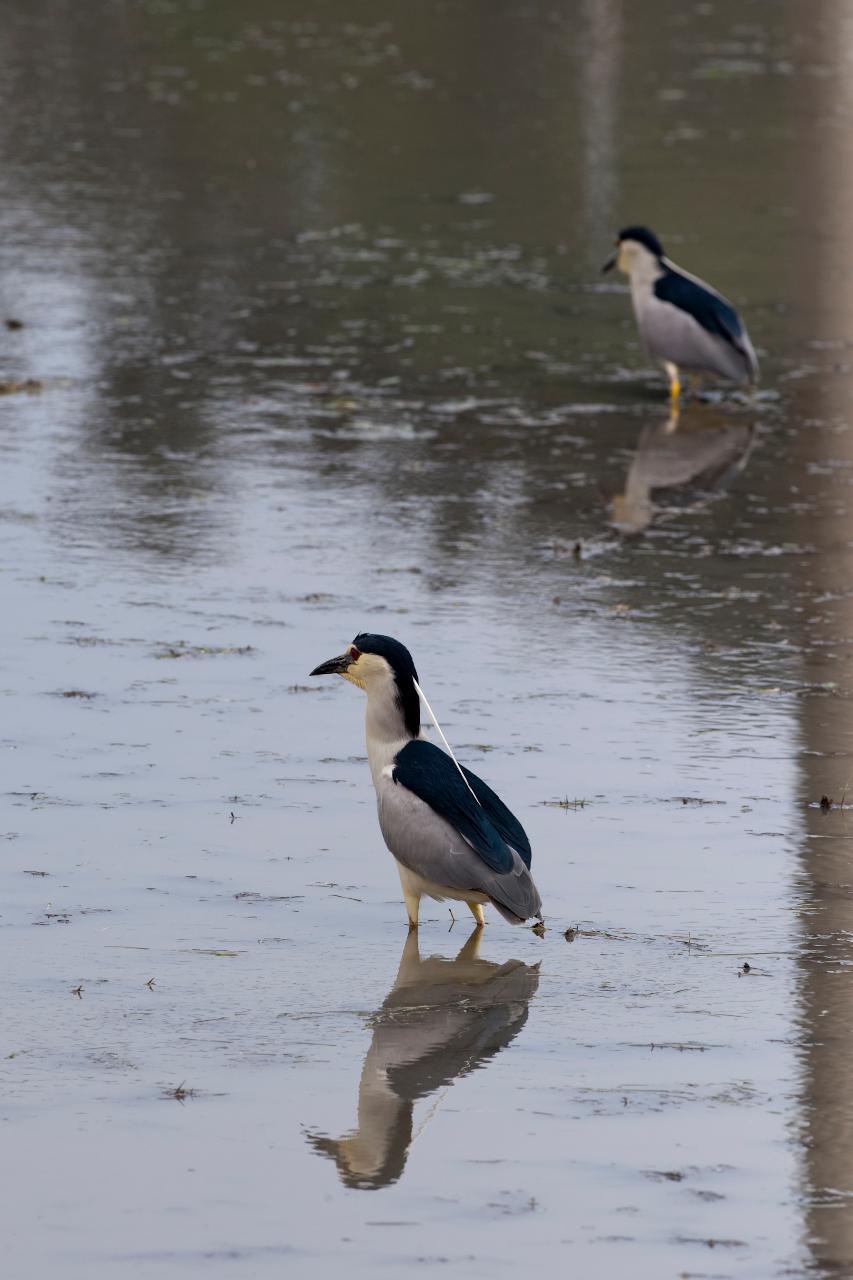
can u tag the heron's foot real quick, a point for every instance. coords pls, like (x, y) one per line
(476, 909)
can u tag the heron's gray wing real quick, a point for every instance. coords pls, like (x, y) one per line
(427, 842)
(502, 819)
(432, 775)
(706, 306)
(674, 336)
(715, 317)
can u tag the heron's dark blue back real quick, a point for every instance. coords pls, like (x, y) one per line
(484, 822)
(707, 308)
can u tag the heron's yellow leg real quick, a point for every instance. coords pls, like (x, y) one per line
(476, 909)
(674, 383)
(413, 903)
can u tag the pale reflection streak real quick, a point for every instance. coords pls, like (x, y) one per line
(598, 82)
(441, 1020)
(824, 333)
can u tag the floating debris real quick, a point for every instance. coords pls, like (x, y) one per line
(179, 1092)
(248, 896)
(205, 951)
(9, 387)
(181, 650)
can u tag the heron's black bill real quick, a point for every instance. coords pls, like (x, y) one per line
(609, 264)
(334, 667)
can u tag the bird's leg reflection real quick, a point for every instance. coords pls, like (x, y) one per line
(671, 424)
(704, 451)
(441, 1020)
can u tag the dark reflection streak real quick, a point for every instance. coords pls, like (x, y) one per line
(824, 448)
(440, 1021)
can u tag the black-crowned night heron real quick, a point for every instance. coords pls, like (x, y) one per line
(683, 322)
(450, 835)
(441, 1020)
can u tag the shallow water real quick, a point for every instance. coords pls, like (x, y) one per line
(313, 309)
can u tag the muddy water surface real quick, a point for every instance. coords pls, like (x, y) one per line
(312, 305)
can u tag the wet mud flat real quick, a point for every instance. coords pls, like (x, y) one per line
(309, 338)
(220, 1046)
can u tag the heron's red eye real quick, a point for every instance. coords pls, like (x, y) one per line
(354, 653)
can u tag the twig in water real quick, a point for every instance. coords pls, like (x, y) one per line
(180, 1092)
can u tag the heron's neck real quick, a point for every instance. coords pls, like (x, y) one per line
(644, 272)
(386, 730)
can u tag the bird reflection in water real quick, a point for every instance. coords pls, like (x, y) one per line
(441, 1020)
(698, 458)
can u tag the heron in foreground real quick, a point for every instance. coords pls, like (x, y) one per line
(683, 322)
(450, 835)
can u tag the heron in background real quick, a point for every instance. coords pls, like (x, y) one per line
(683, 322)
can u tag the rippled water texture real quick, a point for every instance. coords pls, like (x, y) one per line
(309, 337)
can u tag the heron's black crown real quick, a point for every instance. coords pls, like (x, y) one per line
(400, 661)
(395, 654)
(644, 237)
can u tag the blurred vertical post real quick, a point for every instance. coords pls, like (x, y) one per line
(598, 86)
(822, 335)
